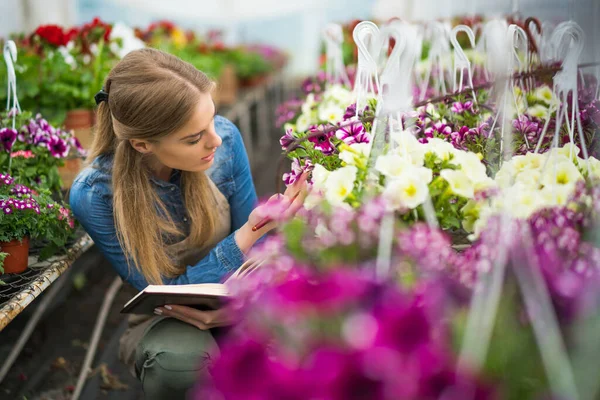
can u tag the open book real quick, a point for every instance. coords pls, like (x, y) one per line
(204, 296)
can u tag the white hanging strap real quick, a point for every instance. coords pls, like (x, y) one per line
(367, 77)
(335, 71)
(10, 58)
(461, 61)
(439, 54)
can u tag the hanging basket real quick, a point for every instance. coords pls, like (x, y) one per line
(18, 255)
(81, 122)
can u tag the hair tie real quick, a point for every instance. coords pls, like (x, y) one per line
(101, 96)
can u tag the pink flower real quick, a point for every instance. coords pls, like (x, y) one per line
(322, 142)
(23, 153)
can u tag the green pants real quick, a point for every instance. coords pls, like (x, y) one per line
(172, 357)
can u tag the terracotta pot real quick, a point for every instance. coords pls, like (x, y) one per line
(69, 171)
(81, 122)
(227, 87)
(18, 255)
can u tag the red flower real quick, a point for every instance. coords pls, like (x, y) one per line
(52, 34)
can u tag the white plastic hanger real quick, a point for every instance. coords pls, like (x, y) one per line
(461, 61)
(10, 58)
(367, 76)
(335, 71)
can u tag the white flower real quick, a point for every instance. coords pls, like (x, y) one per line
(594, 166)
(339, 94)
(538, 111)
(409, 191)
(339, 184)
(562, 173)
(129, 41)
(409, 146)
(353, 153)
(521, 201)
(530, 161)
(308, 103)
(86, 59)
(530, 178)
(330, 112)
(69, 59)
(440, 148)
(505, 177)
(555, 195)
(543, 93)
(302, 123)
(94, 49)
(396, 166)
(459, 182)
(568, 151)
(319, 177)
(471, 165)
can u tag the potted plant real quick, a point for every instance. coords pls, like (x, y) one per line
(36, 153)
(17, 223)
(28, 216)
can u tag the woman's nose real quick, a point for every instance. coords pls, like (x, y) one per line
(215, 140)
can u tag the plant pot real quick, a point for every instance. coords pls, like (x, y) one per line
(227, 87)
(18, 255)
(81, 122)
(69, 171)
(255, 81)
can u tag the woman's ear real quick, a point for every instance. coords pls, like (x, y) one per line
(142, 146)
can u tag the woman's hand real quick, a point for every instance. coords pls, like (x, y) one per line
(200, 319)
(284, 207)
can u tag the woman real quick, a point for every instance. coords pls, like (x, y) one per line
(168, 198)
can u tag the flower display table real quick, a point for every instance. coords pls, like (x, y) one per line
(22, 289)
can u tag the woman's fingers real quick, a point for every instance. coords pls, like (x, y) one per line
(201, 319)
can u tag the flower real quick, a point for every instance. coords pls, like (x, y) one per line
(22, 153)
(7, 138)
(460, 108)
(290, 177)
(353, 133)
(322, 142)
(340, 184)
(54, 35)
(355, 154)
(538, 111)
(123, 34)
(410, 191)
(459, 182)
(350, 112)
(58, 147)
(6, 179)
(543, 93)
(395, 166)
(330, 112)
(287, 139)
(409, 147)
(561, 172)
(444, 150)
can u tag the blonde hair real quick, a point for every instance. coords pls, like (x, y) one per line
(151, 95)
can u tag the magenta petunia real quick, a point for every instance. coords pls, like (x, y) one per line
(58, 147)
(8, 137)
(322, 142)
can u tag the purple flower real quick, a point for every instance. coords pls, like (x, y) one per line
(350, 112)
(353, 133)
(290, 177)
(439, 128)
(6, 179)
(20, 190)
(287, 139)
(7, 209)
(460, 108)
(322, 142)
(58, 147)
(7, 138)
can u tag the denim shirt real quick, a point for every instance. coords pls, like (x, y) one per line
(91, 201)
